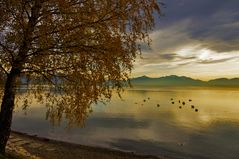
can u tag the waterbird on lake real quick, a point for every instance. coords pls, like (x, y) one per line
(180, 107)
(144, 100)
(171, 98)
(190, 100)
(158, 105)
(196, 110)
(172, 102)
(179, 101)
(181, 144)
(183, 103)
(148, 98)
(192, 106)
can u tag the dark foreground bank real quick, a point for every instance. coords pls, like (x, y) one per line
(33, 147)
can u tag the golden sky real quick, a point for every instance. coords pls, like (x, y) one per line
(195, 38)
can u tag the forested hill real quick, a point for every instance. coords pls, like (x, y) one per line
(174, 80)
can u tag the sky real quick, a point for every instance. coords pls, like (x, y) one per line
(194, 38)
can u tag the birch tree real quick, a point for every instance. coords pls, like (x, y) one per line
(73, 52)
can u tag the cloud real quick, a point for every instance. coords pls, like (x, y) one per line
(191, 37)
(169, 56)
(221, 46)
(211, 61)
(210, 21)
(171, 38)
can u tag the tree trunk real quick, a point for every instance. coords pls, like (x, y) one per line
(7, 108)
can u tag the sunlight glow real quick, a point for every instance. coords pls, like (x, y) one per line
(205, 54)
(193, 60)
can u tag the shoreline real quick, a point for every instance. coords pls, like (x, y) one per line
(33, 147)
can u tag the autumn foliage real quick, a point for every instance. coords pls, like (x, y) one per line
(73, 52)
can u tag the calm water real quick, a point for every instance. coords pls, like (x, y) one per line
(212, 132)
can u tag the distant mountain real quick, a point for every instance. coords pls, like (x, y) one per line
(224, 82)
(174, 80)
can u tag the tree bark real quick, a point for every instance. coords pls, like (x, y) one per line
(10, 85)
(7, 107)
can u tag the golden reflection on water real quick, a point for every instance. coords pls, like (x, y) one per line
(141, 103)
(213, 105)
(137, 120)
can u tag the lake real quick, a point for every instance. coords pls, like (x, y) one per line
(145, 121)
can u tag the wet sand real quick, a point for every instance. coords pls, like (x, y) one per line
(33, 147)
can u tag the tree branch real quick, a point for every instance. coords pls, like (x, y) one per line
(8, 50)
(2, 68)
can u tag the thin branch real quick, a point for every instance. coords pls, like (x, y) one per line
(5, 71)
(8, 50)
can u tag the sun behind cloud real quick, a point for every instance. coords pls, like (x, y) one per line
(193, 43)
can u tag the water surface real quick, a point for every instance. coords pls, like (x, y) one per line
(137, 123)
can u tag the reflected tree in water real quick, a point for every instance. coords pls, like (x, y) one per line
(71, 53)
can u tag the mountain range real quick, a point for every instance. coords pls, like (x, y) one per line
(174, 80)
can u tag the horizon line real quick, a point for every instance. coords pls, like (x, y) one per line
(187, 77)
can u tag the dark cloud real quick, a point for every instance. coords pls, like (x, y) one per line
(169, 56)
(211, 61)
(187, 58)
(184, 64)
(210, 11)
(192, 35)
(220, 45)
(210, 20)
(173, 56)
